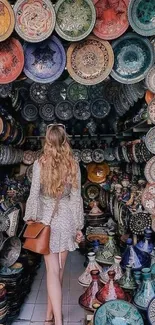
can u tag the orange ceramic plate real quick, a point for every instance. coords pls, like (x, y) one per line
(7, 20)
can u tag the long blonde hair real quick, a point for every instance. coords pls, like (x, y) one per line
(58, 166)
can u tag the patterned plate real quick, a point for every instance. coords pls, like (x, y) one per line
(139, 222)
(76, 91)
(150, 79)
(10, 251)
(29, 112)
(112, 21)
(57, 92)
(38, 93)
(100, 108)
(91, 61)
(98, 155)
(35, 20)
(96, 91)
(151, 111)
(110, 90)
(77, 155)
(64, 110)
(133, 58)
(86, 156)
(5, 90)
(45, 61)
(148, 198)
(74, 20)
(4, 222)
(151, 311)
(92, 191)
(81, 110)
(141, 14)
(149, 171)
(150, 140)
(11, 60)
(7, 20)
(46, 112)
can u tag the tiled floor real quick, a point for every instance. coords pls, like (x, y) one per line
(34, 309)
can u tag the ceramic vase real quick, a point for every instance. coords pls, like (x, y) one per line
(106, 253)
(146, 244)
(146, 290)
(111, 290)
(134, 257)
(115, 267)
(137, 277)
(85, 279)
(127, 281)
(88, 299)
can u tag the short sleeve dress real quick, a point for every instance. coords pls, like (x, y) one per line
(68, 218)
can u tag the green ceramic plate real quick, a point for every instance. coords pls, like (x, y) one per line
(141, 14)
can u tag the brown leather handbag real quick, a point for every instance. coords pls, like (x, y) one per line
(37, 238)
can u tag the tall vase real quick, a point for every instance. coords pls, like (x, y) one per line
(88, 298)
(137, 276)
(127, 281)
(106, 254)
(146, 244)
(146, 290)
(85, 279)
(115, 267)
(134, 257)
(111, 290)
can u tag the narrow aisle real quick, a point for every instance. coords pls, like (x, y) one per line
(34, 308)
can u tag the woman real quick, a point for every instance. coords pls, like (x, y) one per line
(56, 189)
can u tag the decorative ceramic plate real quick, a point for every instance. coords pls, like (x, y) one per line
(57, 92)
(5, 90)
(76, 91)
(35, 20)
(4, 222)
(92, 191)
(141, 14)
(38, 93)
(91, 61)
(110, 90)
(64, 110)
(81, 110)
(149, 170)
(77, 155)
(112, 20)
(74, 19)
(7, 20)
(98, 155)
(10, 251)
(151, 311)
(150, 140)
(100, 108)
(29, 112)
(96, 91)
(86, 156)
(117, 312)
(46, 112)
(109, 154)
(148, 198)
(97, 172)
(45, 61)
(133, 58)
(151, 111)
(150, 79)
(139, 222)
(11, 60)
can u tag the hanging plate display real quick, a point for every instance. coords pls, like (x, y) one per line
(11, 60)
(149, 170)
(29, 112)
(91, 61)
(64, 110)
(81, 110)
(45, 61)
(139, 222)
(46, 112)
(7, 20)
(98, 155)
(141, 16)
(150, 140)
(57, 92)
(117, 312)
(35, 20)
(112, 20)
(150, 79)
(151, 111)
(76, 91)
(38, 93)
(148, 198)
(74, 20)
(100, 108)
(86, 156)
(92, 191)
(133, 58)
(97, 172)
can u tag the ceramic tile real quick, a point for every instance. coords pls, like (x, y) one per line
(39, 313)
(26, 312)
(36, 323)
(75, 286)
(19, 322)
(42, 297)
(74, 297)
(36, 284)
(31, 298)
(76, 313)
(43, 285)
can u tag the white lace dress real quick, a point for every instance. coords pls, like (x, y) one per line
(68, 218)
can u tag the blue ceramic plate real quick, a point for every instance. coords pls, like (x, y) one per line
(134, 57)
(141, 15)
(45, 61)
(117, 312)
(151, 311)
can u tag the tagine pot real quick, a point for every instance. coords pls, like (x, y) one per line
(146, 245)
(115, 267)
(127, 281)
(145, 292)
(85, 279)
(106, 253)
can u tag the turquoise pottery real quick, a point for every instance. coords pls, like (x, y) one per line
(146, 291)
(151, 312)
(141, 15)
(133, 57)
(117, 312)
(127, 281)
(106, 253)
